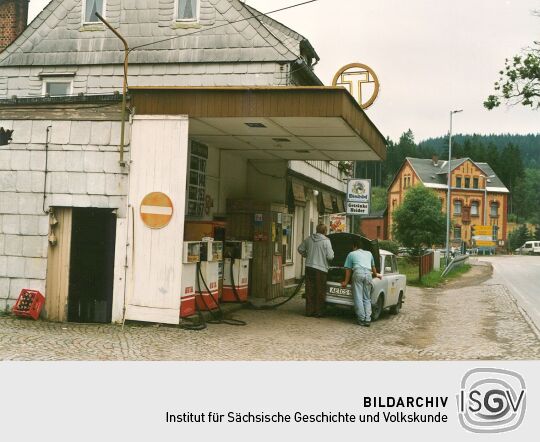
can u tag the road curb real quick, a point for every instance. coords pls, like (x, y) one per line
(523, 312)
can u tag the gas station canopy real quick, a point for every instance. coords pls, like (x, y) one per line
(290, 123)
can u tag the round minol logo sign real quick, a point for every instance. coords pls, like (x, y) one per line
(156, 210)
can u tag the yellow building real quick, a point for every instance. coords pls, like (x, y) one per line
(478, 196)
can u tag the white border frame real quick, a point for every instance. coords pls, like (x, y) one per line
(186, 20)
(83, 13)
(55, 79)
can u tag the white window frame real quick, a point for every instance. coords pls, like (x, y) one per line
(187, 20)
(458, 203)
(475, 204)
(57, 80)
(83, 13)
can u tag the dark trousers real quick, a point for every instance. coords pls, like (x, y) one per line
(315, 292)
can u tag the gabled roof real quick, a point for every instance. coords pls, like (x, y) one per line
(436, 175)
(57, 37)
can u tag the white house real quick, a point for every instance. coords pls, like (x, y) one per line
(218, 110)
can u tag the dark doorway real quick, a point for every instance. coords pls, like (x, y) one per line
(91, 271)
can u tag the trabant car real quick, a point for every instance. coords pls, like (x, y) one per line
(388, 292)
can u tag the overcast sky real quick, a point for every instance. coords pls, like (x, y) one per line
(431, 56)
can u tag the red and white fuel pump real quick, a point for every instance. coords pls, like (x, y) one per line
(208, 278)
(236, 270)
(190, 262)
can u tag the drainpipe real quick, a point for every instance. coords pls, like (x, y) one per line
(46, 167)
(124, 88)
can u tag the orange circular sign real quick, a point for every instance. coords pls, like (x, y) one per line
(156, 210)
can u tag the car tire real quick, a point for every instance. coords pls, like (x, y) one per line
(395, 309)
(377, 309)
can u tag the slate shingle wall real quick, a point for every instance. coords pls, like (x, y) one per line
(83, 172)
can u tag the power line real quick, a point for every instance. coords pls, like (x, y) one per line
(225, 24)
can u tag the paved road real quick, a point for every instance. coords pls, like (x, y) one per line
(458, 322)
(521, 275)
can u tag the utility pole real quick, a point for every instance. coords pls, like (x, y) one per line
(448, 203)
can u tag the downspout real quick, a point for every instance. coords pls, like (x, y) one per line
(124, 87)
(46, 167)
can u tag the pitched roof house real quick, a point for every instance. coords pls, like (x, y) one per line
(478, 195)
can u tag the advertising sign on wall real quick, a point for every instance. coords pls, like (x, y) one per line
(358, 197)
(338, 223)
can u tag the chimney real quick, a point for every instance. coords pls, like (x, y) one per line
(13, 19)
(435, 160)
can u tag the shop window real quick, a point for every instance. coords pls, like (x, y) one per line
(188, 10)
(457, 232)
(494, 210)
(198, 156)
(457, 207)
(467, 183)
(458, 181)
(288, 237)
(475, 208)
(475, 183)
(90, 9)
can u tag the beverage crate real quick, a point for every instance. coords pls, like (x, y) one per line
(29, 304)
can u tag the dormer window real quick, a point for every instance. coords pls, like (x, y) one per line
(90, 9)
(188, 10)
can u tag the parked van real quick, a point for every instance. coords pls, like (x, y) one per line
(529, 248)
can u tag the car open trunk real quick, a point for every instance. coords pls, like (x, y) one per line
(342, 245)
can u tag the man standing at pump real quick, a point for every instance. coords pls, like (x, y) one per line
(361, 265)
(318, 252)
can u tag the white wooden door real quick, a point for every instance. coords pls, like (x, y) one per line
(159, 150)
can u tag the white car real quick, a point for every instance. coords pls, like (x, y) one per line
(388, 292)
(529, 248)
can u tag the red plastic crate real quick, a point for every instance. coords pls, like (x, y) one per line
(29, 304)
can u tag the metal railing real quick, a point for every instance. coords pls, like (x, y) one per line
(459, 260)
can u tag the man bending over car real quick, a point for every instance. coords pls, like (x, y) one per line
(361, 265)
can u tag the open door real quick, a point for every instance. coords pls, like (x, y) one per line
(159, 151)
(91, 275)
(58, 260)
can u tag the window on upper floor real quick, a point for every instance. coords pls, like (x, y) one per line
(57, 87)
(475, 183)
(457, 207)
(494, 210)
(188, 10)
(90, 9)
(458, 181)
(467, 183)
(474, 208)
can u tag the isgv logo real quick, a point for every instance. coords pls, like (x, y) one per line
(491, 400)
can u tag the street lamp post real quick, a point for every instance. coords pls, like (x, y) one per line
(448, 204)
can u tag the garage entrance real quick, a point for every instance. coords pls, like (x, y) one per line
(91, 268)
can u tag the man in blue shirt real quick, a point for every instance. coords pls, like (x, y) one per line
(361, 265)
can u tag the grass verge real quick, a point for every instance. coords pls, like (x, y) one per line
(432, 279)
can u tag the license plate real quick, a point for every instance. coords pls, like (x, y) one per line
(340, 291)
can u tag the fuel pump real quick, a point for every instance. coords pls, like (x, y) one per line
(236, 270)
(190, 262)
(208, 282)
